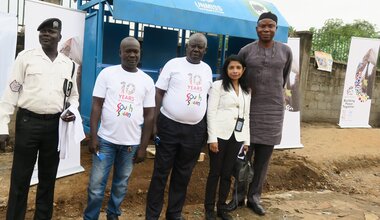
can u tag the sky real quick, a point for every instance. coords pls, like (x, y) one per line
(303, 14)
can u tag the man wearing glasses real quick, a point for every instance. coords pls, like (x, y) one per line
(35, 87)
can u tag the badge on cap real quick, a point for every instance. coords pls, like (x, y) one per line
(55, 24)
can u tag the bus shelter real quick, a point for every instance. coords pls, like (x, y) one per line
(162, 27)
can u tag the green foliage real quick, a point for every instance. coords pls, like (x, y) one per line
(292, 32)
(360, 28)
(335, 36)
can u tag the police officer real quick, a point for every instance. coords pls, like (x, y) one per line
(39, 85)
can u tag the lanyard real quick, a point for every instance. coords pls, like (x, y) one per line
(242, 95)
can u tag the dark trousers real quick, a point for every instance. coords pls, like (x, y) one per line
(33, 137)
(262, 154)
(178, 151)
(221, 166)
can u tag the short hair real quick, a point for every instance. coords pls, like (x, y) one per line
(198, 35)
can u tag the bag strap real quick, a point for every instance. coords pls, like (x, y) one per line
(64, 98)
(72, 71)
(236, 193)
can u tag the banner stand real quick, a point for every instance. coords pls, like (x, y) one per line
(359, 82)
(8, 41)
(291, 130)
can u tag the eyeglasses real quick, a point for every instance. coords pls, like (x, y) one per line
(67, 86)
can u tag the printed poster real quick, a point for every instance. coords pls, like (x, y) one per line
(324, 61)
(291, 131)
(359, 82)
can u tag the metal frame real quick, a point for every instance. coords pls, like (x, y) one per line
(19, 9)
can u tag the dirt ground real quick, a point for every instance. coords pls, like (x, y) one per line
(335, 176)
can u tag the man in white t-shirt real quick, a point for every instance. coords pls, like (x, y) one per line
(182, 89)
(123, 100)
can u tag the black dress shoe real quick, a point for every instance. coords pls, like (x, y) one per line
(210, 215)
(256, 208)
(232, 205)
(175, 218)
(112, 217)
(224, 215)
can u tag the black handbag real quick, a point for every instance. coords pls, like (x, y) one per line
(243, 171)
(243, 174)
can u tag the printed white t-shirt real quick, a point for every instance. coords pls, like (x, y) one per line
(186, 86)
(125, 95)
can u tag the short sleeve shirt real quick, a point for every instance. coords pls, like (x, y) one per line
(125, 94)
(186, 86)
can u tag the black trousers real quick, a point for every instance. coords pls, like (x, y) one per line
(178, 151)
(33, 137)
(262, 154)
(221, 167)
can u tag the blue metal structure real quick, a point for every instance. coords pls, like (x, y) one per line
(232, 19)
(227, 17)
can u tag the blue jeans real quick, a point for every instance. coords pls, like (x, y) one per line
(121, 156)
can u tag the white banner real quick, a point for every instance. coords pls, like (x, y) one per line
(8, 41)
(291, 129)
(72, 37)
(359, 82)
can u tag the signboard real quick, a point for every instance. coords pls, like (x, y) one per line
(291, 130)
(324, 61)
(359, 82)
(234, 18)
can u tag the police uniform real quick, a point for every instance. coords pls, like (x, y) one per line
(36, 87)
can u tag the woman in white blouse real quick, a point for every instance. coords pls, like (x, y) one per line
(228, 129)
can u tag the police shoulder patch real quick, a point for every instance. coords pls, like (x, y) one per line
(15, 86)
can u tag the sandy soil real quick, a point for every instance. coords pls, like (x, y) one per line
(335, 176)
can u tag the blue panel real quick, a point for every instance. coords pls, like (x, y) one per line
(88, 69)
(227, 17)
(211, 57)
(159, 46)
(235, 44)
(113, 34)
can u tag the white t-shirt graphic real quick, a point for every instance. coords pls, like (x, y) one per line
(187, 86)
(125, 95)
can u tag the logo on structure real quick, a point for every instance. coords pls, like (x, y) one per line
(208, 5)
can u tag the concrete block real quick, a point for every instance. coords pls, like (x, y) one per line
(314, 87)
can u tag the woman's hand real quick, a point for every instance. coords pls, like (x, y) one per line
(214, 147)
(245, 148)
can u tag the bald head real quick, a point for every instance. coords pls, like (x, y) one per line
(129, 40)
(129, 54)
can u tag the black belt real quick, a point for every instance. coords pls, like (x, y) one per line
(39, 116)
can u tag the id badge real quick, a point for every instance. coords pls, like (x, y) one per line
(239, 124)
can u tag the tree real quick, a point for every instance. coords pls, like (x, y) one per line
(360, 28)
(292, 32)
(335, 36)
